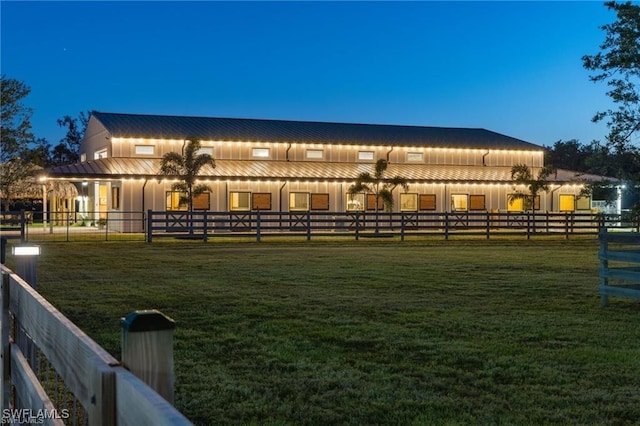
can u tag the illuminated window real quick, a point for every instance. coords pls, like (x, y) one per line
(177, 201)
(239, 201)
(83, 157)
(567, 203)
(365, 155)
(144, 149)
(100, 154)
(260, 153)
(299, 201)
(355, 202)
(515, 203)
(315, 154)
(459, 202)
(408, 202)
(415, 157)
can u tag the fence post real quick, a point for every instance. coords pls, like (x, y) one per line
(147, 349)
(604, 264)
(488, 224)
(528, 225)
(446, 225)
(23, 226)
(204, 226)
(308, 225)
(149, 226)
(401, 226)
(5, 331)
(258, 226)
(357, 226)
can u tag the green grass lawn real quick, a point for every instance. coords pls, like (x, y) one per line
(368, 332)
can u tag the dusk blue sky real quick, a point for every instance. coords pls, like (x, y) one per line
(511, 67)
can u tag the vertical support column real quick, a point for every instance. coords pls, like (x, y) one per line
(147, 349)
(308, 225)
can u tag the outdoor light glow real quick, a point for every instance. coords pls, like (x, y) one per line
(26, 250)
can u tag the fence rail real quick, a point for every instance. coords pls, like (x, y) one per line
(103, 392)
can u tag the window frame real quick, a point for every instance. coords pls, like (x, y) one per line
(370, 155)
(259, 199)
(139, 150)
(292, 198)
(170, 202)
(413, 196)
(571, 197)
(260, 152)
(355, 202)
(307, 153)
(466, 202)
(240, 208)
(425, 201)
(415, 160)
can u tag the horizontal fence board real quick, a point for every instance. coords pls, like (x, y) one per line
(630, 292)
(140, 405)
(30, 392)
(82, 363)
(629, 273)
(620, 255)
(620, 238)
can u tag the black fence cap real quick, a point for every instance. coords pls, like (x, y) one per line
(147, 320)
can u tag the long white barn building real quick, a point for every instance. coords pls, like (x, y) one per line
(303, 166)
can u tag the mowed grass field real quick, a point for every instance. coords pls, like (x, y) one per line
(368, 332)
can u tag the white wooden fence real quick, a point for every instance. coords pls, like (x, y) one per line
(619, 271)
(43, 351)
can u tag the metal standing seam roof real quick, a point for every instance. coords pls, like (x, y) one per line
(123, 168)
(258, 130)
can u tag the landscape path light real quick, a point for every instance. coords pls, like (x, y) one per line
(26, 262)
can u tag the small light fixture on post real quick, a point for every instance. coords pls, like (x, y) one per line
(26, 262)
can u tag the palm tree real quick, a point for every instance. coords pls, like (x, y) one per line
(382, 188)
(187, 168)
(521, 174)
